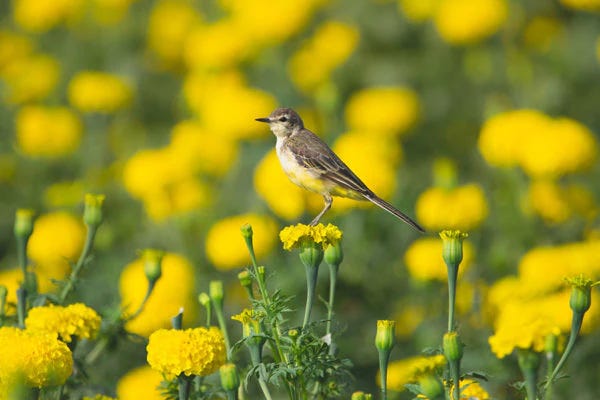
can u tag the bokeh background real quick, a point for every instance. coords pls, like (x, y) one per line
(479, 115)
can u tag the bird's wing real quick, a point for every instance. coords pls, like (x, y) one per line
(312, 152)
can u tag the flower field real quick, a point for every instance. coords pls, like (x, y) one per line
(151, 246)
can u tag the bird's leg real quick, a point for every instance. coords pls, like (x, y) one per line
(328, 201)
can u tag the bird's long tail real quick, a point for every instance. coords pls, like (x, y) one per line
(393, 210)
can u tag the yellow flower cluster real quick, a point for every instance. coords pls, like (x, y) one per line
(73, 320)
(47, 131)
(174, 290)
(540, 145)
(29, 77)
(418, 10)
(410, 369)
(39, 358)
(57, 238)
(294, 236)
(424, 262)
(197, 351)
(225, 247)
(331, 45)
(556, 203)
(100, 92)
(463, 207)
(140, 383)
(382, 110)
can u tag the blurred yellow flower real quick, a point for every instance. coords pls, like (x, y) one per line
(47, 131)
(541, 32)
(540, 145)
(39, 16)
(198, 351)
(408, 370)
(177, 198)
(226, 106)
(294, 236)
(284, 198)
(30, 78)
(13, 47)
(148, 171)
(225, 247)
(73, 320)
(331, 45)
(64, 194)
(386, 110)
(140, 383)
(586, 5)
(91, 91)
(174, 290)
(462, 22)
(418, 10)
(109, 12)
(377, 170)
(200, 150)
(169, 24)
(408, 317)
(57, 236)
(556, 203)
(463, 207)
(11, 279)
(39, 358)
(424, 261)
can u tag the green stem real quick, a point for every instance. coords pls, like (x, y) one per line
(550, 360)
(530, 384)
(22, 254)
(223, 326)
(265, 389)
(452, 278)
(87, 248)
(184, 383)
(529, 363)
(384, 357)
(311, 283)
(21, 306)
(575, 328)
(333, 271)
(455, 377)
(144, 300)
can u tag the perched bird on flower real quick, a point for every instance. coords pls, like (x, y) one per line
(311, 164)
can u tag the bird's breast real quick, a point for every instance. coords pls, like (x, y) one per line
(297, 173)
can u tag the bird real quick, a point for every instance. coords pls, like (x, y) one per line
(311, 164)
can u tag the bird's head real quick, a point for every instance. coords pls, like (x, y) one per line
(283, 122)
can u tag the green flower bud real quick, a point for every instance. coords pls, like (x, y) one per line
(431, 387)
(385, 336)
(261, 273)
(452, 346)
(204, 299)
(551, 344)
(452, 247)
(311, 254)
(230, 380)
(360, 395)
(92, 212)
(581, 293)
(334, 254)
(215, 290)
(152, 264)
(246, 230)
(245, 279)
(293, 334)
(23, 223)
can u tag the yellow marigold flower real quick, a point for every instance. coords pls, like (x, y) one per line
(331, 45)
(39, 16)
(221, 44)
(91, 91)
(410, 369)
(140, 383)
(72, 320)
(148, 171)
(225, 247)
(30, 78)
(38, 358)
(13, 47)
(387, 110)
(284, 198)
(293, 236)
(174, 290)
(525, 324)
(250, 320)
(177, 198)
(408, 317)
(546, 199)
(197, 351)
(424, 262)
(47, 131)
(169, 24)
(463, 207)
(212, 97)
(110, 12)
(462, 22)
(200, 150)
(586, 5)
(418, 10)
(11, 279)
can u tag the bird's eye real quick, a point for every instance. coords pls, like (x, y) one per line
(283, 119)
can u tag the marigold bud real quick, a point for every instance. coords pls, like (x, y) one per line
(311, 254)
(245, 279)
(23, 223)
(431, 387)
(452, 247)
(384, 338)
(215, 290)
(334, 254)
(92, 212)
(204, 299)
(360, 396)
(152, 264)
(452, 346)
(246, 230)
(230, 380)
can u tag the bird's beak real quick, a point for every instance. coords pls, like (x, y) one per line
(267, 120)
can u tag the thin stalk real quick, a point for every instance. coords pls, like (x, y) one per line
(311, 283)
(452, 278)
(87, 248)
(575, 327)
(333, 270)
